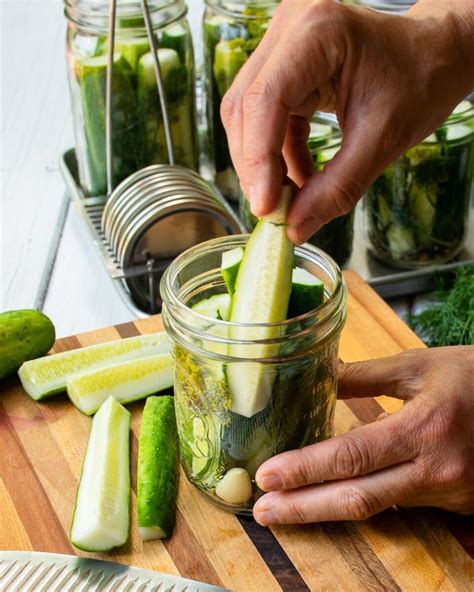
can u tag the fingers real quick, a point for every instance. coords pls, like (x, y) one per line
(353, 499)
(276, 91)
(295, 150)
(336, 190)
(363, 450)
(397, 376)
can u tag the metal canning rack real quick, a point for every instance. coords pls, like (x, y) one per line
(156, 212)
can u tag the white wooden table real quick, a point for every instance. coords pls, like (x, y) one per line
(47, 261)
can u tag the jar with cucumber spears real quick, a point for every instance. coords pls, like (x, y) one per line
(138, 133)
(231, 31)
(336, 236)
(224, 433)
(418, 208)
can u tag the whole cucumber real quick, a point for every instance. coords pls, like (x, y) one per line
(24, 335)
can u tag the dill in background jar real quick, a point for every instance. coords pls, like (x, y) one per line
(418, 208)
(231, 32)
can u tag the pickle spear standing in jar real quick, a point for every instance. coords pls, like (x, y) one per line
(392, 81)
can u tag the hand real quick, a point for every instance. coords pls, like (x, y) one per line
(390, 79)
(422, 455)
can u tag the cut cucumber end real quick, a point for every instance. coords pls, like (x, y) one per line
(307, 293)
(231, 261)
(151, 533)
(215, 307)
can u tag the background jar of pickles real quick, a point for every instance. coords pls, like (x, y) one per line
(392, 6)
(138, 133)
(214, 437)
(418, 208)
(231, 32)
(336, 237)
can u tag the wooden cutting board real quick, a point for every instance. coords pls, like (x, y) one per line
(41, 452)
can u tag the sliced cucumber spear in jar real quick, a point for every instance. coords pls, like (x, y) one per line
(262, 293)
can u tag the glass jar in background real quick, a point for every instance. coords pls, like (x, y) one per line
(137, 124)
(217, 441)
(391, 6)
(335, 237)
(231, 31)
(418, 208)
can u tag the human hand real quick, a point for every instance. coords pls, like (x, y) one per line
(391, 80)
(422, 455)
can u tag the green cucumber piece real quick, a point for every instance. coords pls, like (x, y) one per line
(157, 477)
(262, 294)
(132, 49)
(458, 132)
(401, 240)
(48, 375)
(231, 261)
(91, 75)
(24, 335)
(307, 293)
(126, 382)
(178, 38)
(101, 516)
(215, 307)
(229, 57)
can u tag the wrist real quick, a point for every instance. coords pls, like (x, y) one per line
(449, 26)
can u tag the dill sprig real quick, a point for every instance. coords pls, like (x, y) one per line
(450, 319)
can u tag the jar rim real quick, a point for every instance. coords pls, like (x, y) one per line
(230, 7)
(316, 317)
(90, 14)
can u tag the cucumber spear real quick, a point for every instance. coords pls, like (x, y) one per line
(262, 294)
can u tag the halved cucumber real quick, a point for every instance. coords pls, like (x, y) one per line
(157, 476)
(231, 261)
(48, 375)
(262, 293)
(101, 516)
(307, 292)
(126, 382)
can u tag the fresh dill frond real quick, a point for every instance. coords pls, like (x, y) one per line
(450, 319)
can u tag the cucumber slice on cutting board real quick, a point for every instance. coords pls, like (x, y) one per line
(307, 292)
(126, 382)
(101, 516)
(231, 261)
(48, 375)
(262, 294)
(157, 469)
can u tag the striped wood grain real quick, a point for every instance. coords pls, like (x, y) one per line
(41, 451)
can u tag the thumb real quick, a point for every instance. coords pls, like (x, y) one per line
(336, 190)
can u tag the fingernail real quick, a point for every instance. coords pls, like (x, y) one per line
(269, 482)
(307, 228)
(265, 518)
(256, 201)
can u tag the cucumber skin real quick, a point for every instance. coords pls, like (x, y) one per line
(157, 477)
(104, 550)
(24, 335)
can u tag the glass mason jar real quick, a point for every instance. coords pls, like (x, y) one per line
(335, 237)
(232, 29)
(137, 125)
(418, 208)
(220, 447)
(391, 6)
